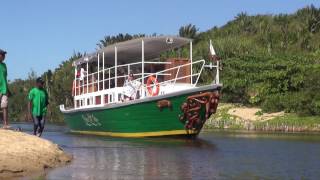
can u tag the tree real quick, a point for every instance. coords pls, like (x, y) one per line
(188, 31)
(283, 21)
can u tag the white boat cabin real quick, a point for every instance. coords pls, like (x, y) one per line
(102, 78)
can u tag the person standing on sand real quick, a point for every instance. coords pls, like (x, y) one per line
(4, 92)
(37, 106)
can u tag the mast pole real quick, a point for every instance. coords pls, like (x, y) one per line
(75, 86)
(218, 74)
(103, 70)
(217, 65)
(87, 79)
(142, 68)
(115, 66)
(98, 72)
(191, 62)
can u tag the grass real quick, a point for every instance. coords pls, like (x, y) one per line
(292, 121)
(223, 120)
(288, 122)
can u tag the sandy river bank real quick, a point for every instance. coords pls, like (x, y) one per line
(23, 154)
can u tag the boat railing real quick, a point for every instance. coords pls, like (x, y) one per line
(86, 95)
(92, 81)
(173, 81)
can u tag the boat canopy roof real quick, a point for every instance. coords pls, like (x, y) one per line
(131, 50)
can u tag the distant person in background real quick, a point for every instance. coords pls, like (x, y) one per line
(4, 91)
(131, 88)
(82, 75)
(37, 106)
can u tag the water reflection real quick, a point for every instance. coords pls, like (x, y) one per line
(148, 158)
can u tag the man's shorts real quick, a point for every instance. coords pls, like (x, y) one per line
(4, 101)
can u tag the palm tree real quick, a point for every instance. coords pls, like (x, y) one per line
(310, 15)
(283, 21)
(108, 40)
(245, 22)
(242, 18)
(188, 31)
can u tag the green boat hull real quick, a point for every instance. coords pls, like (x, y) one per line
(156, 116)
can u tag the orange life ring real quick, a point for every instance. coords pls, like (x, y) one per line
(154, 81)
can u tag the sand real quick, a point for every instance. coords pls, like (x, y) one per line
(22, 154)
(251, 114)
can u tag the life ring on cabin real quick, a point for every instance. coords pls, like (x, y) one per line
(151, 83)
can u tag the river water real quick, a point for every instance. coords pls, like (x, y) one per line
(213, 155)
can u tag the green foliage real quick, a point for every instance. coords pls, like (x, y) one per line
(59, 86)
(259, 113)
(18, 101)
(268, 61)
(291, 120)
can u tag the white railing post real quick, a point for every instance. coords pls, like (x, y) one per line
(75, 86)
(98, 72)
(175, 79)
(87, 80)
(128, 70)
(103, 71)
(191, 63)
(109, 79)
(92, 82)
(142, 70)
(80, 86)
(202, 66)
(217, 74)
(115, 65)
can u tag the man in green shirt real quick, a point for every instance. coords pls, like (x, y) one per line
(4, 93)
(37, 106)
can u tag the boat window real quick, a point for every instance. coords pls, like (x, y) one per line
(106, 99)
(92, 100)
(98, 100)
(110, 98)
(82, 102)
(119, 97)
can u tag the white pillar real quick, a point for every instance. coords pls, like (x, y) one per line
(98, 72)
(191, 63)
(142, 69)
(217, 75)
(75, 86)
(87, 79)
(103, 70)
(115, 66)
(109, 79)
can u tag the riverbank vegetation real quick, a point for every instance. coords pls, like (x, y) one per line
(239, 117)
(268, 61)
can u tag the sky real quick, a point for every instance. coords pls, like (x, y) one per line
(39, 34)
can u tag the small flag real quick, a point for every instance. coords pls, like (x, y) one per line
(212, 51)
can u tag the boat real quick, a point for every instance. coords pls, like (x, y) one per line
(166, 101)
